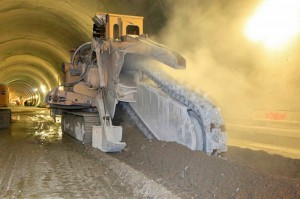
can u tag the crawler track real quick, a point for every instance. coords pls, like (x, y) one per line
(87, 120)
(201, 108)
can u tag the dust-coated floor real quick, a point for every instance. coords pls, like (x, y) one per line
(36, 161)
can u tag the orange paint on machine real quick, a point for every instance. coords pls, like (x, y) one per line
(5, 114)
(4, 95)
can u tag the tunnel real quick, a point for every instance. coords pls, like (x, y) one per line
(240, 57)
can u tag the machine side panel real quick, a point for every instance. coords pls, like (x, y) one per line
(167, 119)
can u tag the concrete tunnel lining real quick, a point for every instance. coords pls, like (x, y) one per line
(46, 51)
(32, 63)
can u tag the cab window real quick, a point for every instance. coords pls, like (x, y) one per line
(132, 30)
(116, 31)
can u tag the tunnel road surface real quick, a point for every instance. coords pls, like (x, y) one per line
(281, 141)
(37, 162)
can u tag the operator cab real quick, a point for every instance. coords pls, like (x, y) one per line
(114, 26)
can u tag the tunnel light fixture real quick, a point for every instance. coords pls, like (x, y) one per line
(43, 89)
(35, 89)
(275, 23)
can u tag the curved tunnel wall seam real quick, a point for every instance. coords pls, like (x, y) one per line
(43, 67)
(33, 74)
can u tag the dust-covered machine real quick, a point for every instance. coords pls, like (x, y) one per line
(122, 65)
(5, 113)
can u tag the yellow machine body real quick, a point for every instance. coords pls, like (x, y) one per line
(119, 25)
(4, 97)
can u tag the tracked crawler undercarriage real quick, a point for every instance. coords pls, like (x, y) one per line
(127, 69)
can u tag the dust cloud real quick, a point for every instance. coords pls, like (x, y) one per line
(240, 76)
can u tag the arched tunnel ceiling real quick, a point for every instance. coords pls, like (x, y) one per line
(36, 37)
